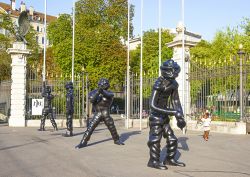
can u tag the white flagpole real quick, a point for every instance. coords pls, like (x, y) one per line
(159, 17)
(128, 68)
(73, 43)
(141, 68)
(45, 40)
(183, 65)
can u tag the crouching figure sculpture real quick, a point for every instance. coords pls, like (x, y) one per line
(101, 100)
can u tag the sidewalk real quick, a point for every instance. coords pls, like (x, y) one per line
(26, 152)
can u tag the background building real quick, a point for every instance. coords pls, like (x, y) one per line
(36, 18)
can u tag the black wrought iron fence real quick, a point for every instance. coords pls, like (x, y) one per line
(5, 94)
(215, 85)
(57, 83)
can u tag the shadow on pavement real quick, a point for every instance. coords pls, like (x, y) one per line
(183, 142)
(91, 144)
(95, 131)
(125, 136)
(184, 146)
(35, 140)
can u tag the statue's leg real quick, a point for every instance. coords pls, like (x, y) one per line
(70, 124)
(52, 120)
(109, 122)
(171, 147)
(87, 134)
(42, 124)
(155, 135)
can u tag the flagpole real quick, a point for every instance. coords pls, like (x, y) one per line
(183, 64)
(141, 68)
(128, 70)
(159, 17)
(73, 43)
(45, 40)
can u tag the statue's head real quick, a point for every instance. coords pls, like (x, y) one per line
(69, 85)
(48, 89)
(103, 83)
(170, 69)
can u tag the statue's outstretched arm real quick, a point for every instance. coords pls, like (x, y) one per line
(107, 94)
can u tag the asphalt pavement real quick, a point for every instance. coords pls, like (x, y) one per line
(26, 152)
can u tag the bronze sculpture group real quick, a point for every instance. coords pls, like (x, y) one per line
(164, 103)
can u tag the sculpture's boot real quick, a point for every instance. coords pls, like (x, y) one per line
(171, 152)
(42, 124)
(157, 165)
(174, 162)
(83, 142)
(109, 122)
(118, 142)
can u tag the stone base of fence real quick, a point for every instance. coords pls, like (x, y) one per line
(60, 123)
(220, 127)
(135, 123)
(216, 126)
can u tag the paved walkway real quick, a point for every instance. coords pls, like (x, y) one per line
(26, 152)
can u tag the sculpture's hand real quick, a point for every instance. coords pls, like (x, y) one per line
(180, 120)
(100, 90)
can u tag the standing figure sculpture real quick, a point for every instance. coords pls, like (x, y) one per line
(101, 100)
(69, 108)
(165, 102)
(47, 110)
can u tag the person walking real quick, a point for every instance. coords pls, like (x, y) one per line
(206, 125)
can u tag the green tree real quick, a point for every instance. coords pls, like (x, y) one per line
(100, 26)
(151, 51)
(5, 60)
(6, 41)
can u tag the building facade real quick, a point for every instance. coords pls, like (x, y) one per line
(36, 18)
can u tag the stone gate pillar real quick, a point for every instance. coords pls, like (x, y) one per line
(18, 86)
(190, 40)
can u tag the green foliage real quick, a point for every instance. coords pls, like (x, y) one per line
(100, 26)
(151, 51)
(211, 62)
(6, 41)
(5, 60)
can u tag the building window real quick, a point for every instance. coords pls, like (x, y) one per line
(37, 28)
(37, 39)
(42, 40)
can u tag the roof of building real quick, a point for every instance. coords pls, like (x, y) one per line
(37, 16)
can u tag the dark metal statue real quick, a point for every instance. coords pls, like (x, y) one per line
(101, 100)
(165, 102)
(23, 27)
(69, 108)
(47, 110)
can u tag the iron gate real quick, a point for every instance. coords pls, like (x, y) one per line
(5, 93)
(215, 85)
(57, 83)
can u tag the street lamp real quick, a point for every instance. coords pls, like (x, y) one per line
(241, 53)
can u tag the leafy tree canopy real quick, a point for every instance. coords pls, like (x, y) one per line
(100, 26)
(151, 51)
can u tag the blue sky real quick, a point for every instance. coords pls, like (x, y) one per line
(204, 17)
